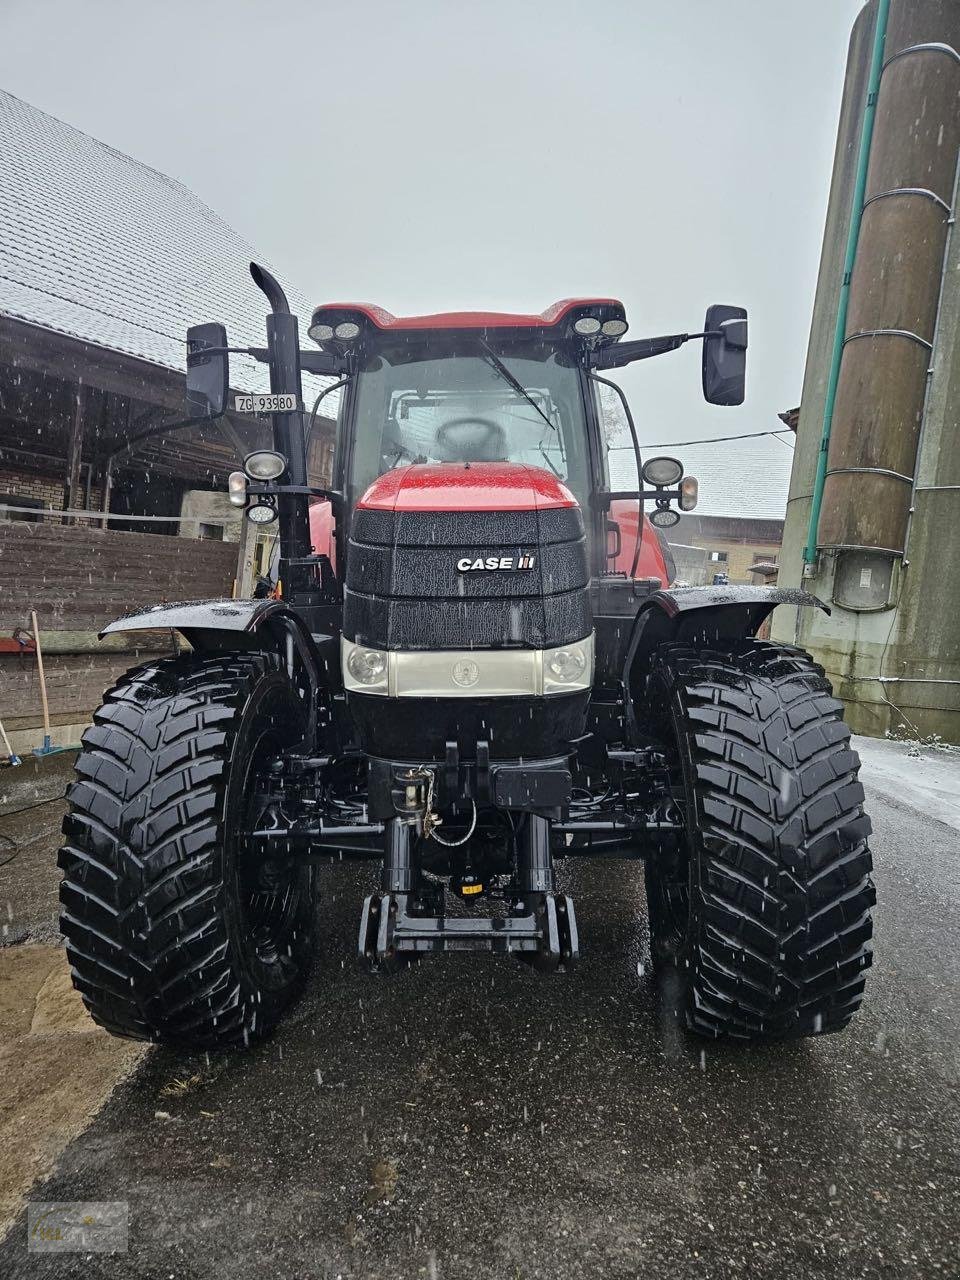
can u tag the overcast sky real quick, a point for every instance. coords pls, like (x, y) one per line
(501, 154)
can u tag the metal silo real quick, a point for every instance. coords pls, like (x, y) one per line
(873, 520)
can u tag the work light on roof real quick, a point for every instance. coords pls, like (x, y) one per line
(320, 332)
(613, 328)
(586, 326)
(347, 331)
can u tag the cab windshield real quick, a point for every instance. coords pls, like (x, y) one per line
(477, 404)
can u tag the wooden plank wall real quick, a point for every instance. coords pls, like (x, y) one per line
(75, 685)
(78, 579)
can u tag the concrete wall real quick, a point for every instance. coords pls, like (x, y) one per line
(210, 508)
(897, 668)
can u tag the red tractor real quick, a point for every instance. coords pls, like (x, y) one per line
(473, 668)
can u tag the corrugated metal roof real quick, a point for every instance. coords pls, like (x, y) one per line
(96, 245)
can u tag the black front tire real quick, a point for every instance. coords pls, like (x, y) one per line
(174, 931)
(760, 918)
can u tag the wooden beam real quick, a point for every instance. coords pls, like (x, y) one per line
(73, 496)
(45, 351)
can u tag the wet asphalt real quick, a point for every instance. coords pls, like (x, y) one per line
(472, 1119)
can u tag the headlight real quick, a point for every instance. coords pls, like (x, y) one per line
(662, 472)
(568, 667)
(566, 664)
(664, 518)
(366, 668)
(264, 464)
(261, 513)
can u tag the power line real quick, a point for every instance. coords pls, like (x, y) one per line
(748, 435)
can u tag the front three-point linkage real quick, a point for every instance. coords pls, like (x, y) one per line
(403, 922)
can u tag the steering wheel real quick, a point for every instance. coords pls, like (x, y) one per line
(487, 448)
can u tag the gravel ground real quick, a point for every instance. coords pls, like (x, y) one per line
(471, 1119)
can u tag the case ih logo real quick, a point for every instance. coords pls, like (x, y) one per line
(466, 564)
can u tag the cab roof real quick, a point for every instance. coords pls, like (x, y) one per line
(561, 313)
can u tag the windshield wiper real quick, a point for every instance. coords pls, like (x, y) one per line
(494, 360)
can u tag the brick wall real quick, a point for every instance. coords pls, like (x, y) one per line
(27, 485)
(47, 489)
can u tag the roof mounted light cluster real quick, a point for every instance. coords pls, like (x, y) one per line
(589, 326)
(327, 327)
(596, 320)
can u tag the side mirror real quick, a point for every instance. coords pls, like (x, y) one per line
(725, 355)
(208, 370)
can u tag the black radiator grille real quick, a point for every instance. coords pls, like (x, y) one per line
(404, 589)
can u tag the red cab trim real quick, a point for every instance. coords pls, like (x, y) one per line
(475, 486)
(382, 319)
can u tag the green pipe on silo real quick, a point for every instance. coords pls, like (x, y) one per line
(850, 257)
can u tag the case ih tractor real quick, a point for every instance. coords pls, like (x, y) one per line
(472, 669)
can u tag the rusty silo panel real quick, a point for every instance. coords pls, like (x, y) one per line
(896, 282)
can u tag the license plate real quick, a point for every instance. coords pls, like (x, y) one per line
(267, 404)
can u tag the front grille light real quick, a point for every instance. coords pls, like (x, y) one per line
(368, 668)
(568, 667)
(566, 664)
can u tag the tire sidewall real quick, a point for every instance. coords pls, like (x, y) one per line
(670, 937)
(272, 708)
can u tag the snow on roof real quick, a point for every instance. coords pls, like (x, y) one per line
(740, 477)
(96, 245)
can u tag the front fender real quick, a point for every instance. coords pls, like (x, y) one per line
(226, 626)
(238, 616)
(222, 626)
(705, 615)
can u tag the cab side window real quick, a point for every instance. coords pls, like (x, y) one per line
(621, 460)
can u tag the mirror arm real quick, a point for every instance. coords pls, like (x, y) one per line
(322, 363)
(635, 495)
(621, 353)
(159, 430)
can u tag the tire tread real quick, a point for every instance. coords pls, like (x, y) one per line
(781, 891)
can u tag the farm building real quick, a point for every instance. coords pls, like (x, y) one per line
(738, 523)
(105, 262)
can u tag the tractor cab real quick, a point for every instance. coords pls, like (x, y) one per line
(468, 388)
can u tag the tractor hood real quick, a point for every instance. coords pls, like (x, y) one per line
(467, 486)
